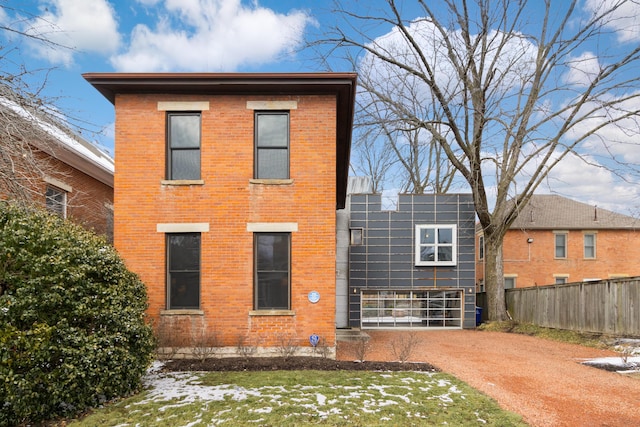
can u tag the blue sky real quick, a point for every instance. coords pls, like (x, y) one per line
(208, 35)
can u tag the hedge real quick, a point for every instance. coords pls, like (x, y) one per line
(73, 332)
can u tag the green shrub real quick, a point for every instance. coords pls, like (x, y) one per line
(72, 319)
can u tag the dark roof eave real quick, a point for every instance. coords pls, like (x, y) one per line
(343, 85)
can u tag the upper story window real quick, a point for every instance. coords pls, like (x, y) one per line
(271, 145)
(183, 271)
(481, 247)
(56, 201)
(272, 271)
(560, 245)
(435, 245)
(590, 245)
(183, 146)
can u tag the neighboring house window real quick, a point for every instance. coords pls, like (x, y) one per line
(560, 245)
(561, 280)
(183, 142)
(183, 270)
(272, 271)
(481, 247)
(435, 245)
(590, 246)
(509, 282)
(56, 201)
(272, 145)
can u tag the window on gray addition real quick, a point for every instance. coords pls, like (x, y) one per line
(272, 271)
(590, 245)
(509, 282)
(183, 271)
(56, 201)
(435, 245)
(183, 142)
(560, 245)
(356, 236)
(271, 145)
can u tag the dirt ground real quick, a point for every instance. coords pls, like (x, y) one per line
(541, 380)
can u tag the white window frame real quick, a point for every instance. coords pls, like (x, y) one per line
(565, 235)
(453, 245)
(584, 248)
(513, 278)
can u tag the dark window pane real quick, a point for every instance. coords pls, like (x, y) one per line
(55, 201)
(445, 235)
(184, 131)
(427, 253)
(185, 290)
(183, 252)
(273, 130)
(273, 163)
(272, 270)
(427, 235)
(185, 164)
(445, 253)
(273, 290)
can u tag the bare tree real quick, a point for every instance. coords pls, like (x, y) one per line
(27, 116)
(513, 88)
(416, 160)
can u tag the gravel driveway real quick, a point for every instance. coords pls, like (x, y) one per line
(541, 380)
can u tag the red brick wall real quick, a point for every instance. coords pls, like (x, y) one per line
(89, 202)
(534, 264)
(227, 202)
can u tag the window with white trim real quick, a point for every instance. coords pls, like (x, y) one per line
(560, 240)
(56, 201)
(435, 245)
(589, 245)
(509, 282)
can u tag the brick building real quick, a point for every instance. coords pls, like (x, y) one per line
(557, 240)
(226, 191)
(54, 168)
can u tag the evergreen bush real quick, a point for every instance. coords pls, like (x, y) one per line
(72, 319)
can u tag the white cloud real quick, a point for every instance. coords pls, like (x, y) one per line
(78, 25)
(211, 35)
(582, 69)
(624, 18)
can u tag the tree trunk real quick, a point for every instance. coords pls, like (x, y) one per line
(494, 277)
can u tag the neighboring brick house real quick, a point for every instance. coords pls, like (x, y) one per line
(55, 168)
(226, 193)
(412, 267)
(557, 240)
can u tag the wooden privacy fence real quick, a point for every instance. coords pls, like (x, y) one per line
(608, 306)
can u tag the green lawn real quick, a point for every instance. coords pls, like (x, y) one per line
(294, 398)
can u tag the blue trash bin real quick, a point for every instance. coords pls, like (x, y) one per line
(478, 315)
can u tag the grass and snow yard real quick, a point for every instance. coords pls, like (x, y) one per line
(302, 398)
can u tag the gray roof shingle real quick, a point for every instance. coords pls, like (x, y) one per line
(557, 212)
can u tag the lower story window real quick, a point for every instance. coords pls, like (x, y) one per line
(183, 271)
(509, 282)
(272, 271)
